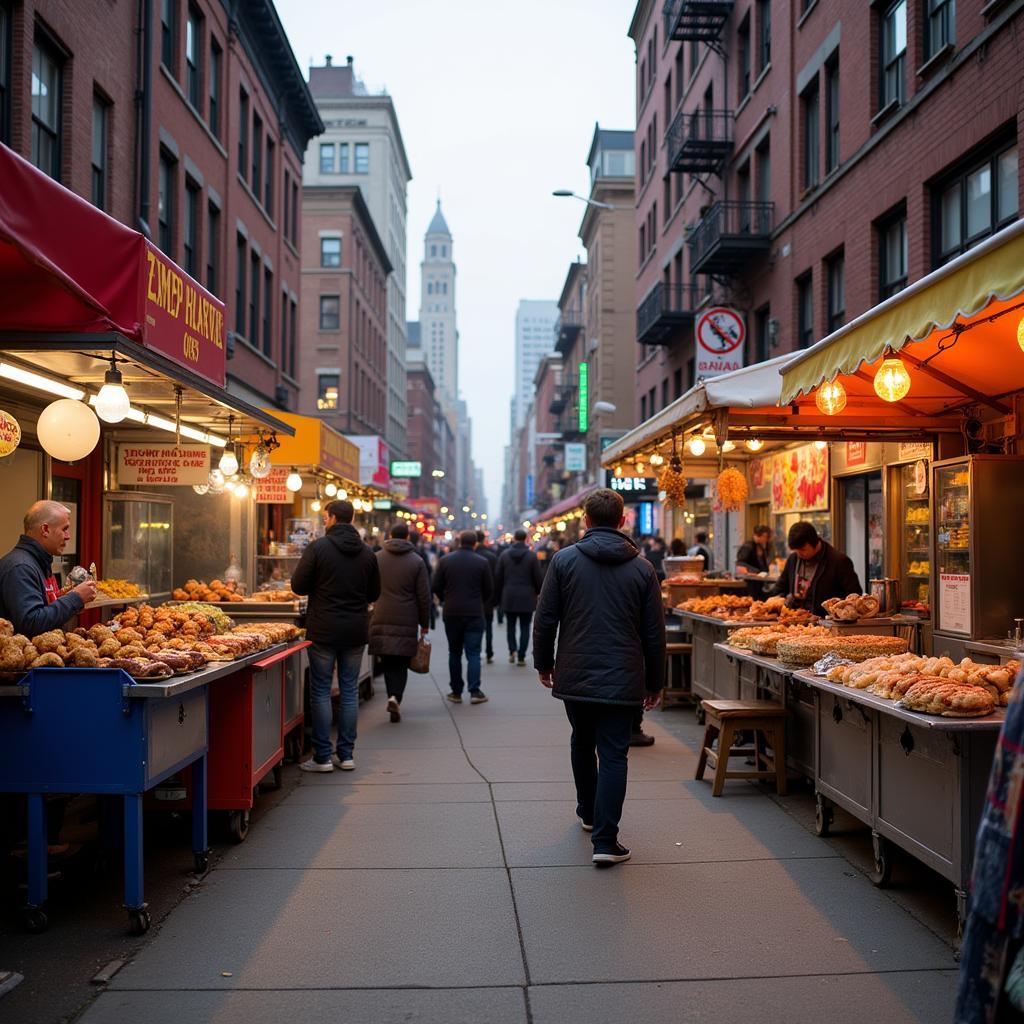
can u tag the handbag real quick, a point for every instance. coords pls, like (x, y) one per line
(420, 661)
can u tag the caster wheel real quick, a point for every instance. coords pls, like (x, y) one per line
(238, 825)
(823, 817)
(881, 874)
(139, 921)
(35, 920)
(201, 862)
(698, 712)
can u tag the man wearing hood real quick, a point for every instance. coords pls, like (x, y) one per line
(340, 575)
(604, 603)
(518, 582)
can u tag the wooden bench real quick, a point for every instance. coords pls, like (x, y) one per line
(675, 694)
(724, 719)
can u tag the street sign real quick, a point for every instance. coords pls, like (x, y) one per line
(575, 457)
(406, 469)
(720, 333)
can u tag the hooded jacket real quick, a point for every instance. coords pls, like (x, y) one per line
(518, 580)
(340, 575)
(604, 604)
(24, 571)
(404, 604)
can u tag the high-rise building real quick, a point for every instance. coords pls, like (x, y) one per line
(439, 333)
(535, 338)
(362, 145)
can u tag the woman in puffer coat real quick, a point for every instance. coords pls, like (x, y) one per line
(401, 615)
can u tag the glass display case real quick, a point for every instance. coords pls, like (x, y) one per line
(274, 565)
(914, 515)
(138, 532)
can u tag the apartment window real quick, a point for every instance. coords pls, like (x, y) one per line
(293, 318)
(652, 398)
(762, 334)
(240, 267)
(5, 74)
(243, 132)
(894, 53)
(330, 253)
(664, 393)
(812, 143)
(805, 311)
(666, 198)
(257, 155)
(977, 203)
(190, 236)
(193, 64)
(168, 25)
(680, 81)
(892, 261)
(295, 212)
(100, 128)
(835, 268)
(643, 408)
(330, 312)
(165, 203)
(743, 37)
(764, 34)
(268, 181)
(343, 158)
(763, 192)
(940, 28)
(362, 158)
(285, 204)
(285, 353)
(327, 387)
(213, 250)
(677, 384)
(832, 115)
(46, 110)
(694, 56)
(255, 273)
(326, 157)
(215, 63)
(268, 311)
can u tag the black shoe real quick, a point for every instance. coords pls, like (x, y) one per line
(511, 658)
(584, 825)
(521, 662)
(490, 659)
(614, 856)
(478, 697)
(455, 698)
(641, 739)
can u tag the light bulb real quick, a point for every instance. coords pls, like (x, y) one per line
(640, 469)
(696, 446)
(821, 445)
(200, 488)
(342, 493)
(618, 471)
(728, 446)
(444, 509)
(216, 479)
(830, 398)
(260, 464)
(892, 382)
(294, 481)
(315, 504)
(330, 489)
(755, 444)
(228, 464)
(657, 459)
(465, 508)
(1020, 333)
(112, 403)
(241, 489)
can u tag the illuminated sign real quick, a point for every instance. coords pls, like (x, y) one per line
(406, 469)
(584, 397)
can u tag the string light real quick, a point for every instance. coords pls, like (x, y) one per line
(696, 445)
(728, 446)
(830, 398)
(294, 481)
(330, 489)
(892, 382)
(755, 444)
(656, 459)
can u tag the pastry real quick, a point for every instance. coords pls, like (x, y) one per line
(855, 647)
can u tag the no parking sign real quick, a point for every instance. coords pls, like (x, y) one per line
(720, 333)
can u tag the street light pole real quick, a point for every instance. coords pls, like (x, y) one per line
(564, 193)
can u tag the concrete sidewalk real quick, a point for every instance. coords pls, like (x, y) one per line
(447, 880)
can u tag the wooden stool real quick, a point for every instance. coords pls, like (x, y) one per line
(724, 719)
(675, 694)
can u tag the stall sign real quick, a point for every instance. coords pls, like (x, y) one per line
(856, 453)
(10, 433)
(406, 469)
(430, 506)
(163, 464)
(373, 459)
(632, 488)
(273, 489)
(184, 321)
(910, 451)
(338, 454)
(645, 518)
(381, 505)
(954, 603)
(575, 457)
(720, 333)
(800, 480)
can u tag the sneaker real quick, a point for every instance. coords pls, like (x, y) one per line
(455, 698)
(478, 697)
(313, 765)
(521, 662)
(512, 658)
(346, 764)
(584, 825)
(393, 710)
(490, 659)
(614, 856)
(641, 739)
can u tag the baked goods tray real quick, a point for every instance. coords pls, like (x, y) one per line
(296, 607)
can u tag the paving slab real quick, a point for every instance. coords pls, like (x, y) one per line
(499, 731)
(923, 997)
(411, 1006)
(638, 789)
(734, 919)
(283, 928)
(395, 793)
(551, 764)
(388, 767)
(451, 835)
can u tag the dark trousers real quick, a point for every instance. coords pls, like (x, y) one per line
(489, 632)
(464, 633)
(600, 748)
(638, 721)
(396, 674)
(523, 618)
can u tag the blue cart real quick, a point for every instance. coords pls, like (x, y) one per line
(98, 731)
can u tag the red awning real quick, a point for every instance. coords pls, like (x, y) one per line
(566, 505)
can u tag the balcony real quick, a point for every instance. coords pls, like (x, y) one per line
(567, 330)
(666, 309)
(558, 401)
(698, 20)
(729, 236)
(700, 143)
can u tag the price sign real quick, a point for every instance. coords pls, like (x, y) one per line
(10, 433)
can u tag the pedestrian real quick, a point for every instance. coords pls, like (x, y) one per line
(603, 602)
(462, 583)
(401, 616)
(414, 539)
(655, 554)
(701, 548)
(492, 560)
(678, 547)
(339, 573)
(518, 582)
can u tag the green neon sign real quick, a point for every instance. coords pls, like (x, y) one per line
(584, 397)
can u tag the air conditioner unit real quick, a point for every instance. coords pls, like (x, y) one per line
(282, 396)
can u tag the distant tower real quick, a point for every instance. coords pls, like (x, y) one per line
(438, 331)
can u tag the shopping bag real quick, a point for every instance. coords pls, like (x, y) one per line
(421, 659)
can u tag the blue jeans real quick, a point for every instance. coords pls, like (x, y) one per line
(321, 671)
(523, 618)
(464, 632)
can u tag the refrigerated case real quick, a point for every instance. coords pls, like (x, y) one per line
(978, 587)
(913, 556)
(139, 541)
(278, 557)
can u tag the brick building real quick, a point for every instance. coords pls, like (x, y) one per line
(548, 457)
(343, 322)
(801, 160)
(426, 420)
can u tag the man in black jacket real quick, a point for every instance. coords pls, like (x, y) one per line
(415, 540)
(518, 582)
(814, 572)
(462, 582)
(339, 573)
(488, 555)
(604, 604)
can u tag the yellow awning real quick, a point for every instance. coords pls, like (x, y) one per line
(985, 279)
(318, 445)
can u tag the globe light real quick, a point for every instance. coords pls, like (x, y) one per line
(315, 504)
(444, 509)
(892, 382)
(259, 463)
(200, 488)
(641, 469)
(216, 479)
(68, 430)
(755, 444)
(228, 464)
(465, 508)
(241, 489)
(696, 445)
(728, 446)
(830, 398)
(821, 445)
(656, 459)
(112, 403)
(294, 481)
(330, 489)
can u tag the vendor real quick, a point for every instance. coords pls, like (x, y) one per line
(752, 557)
(29, 594)
(814, 572)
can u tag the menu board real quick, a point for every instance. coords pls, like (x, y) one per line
(954, 603)
(151, 464)
(273, 489)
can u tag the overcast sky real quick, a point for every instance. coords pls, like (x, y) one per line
(497, 104)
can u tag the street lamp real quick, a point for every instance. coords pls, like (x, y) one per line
(604, 407)
(563, 193)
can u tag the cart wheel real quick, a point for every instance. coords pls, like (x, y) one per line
(698, 712)
(881, 875)
(823, 817)
(201, 862)
(238, 825)
(139, 921)
(35, 920)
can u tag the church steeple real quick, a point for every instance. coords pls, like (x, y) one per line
(438, 226)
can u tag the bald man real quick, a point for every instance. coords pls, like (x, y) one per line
(28, 588)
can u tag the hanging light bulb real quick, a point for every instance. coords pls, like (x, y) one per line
(228, 464)
(830, 398)
(112, 403)
(640, 468)
(696, 445)
(821, 445)
(342, 493)
(200, 488)
(241, 488)
(618, 471)
(330, 489)
(755, 444)
(892, 382)
(259, 463)
(294, 481)
(315, 505)
(728, 446)
(216, 479)
(656, 459)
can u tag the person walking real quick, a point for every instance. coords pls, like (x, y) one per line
(491, 558)
(462, 584)
(421, 550)
(518, 581)
(603, 603)
(339, 574)
(401, 616)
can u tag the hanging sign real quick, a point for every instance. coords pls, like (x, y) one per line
(575, 457)
(10, 433)
(856, 453)
(273, 490)
(911, 450)
(954, 603)
(720, 333)
(163, 464)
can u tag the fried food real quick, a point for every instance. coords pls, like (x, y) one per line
(83, 657)
(49, 659)
(6, 628)
(109, 648)
(49, 641)
(856, 647)
(10, 656)
(129, 636)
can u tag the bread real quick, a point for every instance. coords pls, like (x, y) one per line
(855, 647)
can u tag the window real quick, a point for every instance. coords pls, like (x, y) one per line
(5, 74)
(243, 132)
(213, 250)
(285, 354)
(892, 261)
(295, 212)
(327, 385)
(804, 311)
(694, 56)
(764, 34)
(762, 334)
(215, 63)
(664, 393)
(193, 63)
(977, 203)
(812, 143)
(330, 252)
(433, 250)
(764, 172)
(835, 269)
(894, 53)
(268, 311)
(330, 312)
(362, 161)
(831, 115)
(677, 384)
(168, 24)
(643, 408)
(743, 37)
(326, 157)
(165, 204)
(190, 237)
(293, 318)
(285, 204)
(240, 285)
(940, 28)
(255, 273)
(268, 181)
(680, 83)
(100, 127)
(343, 158)
(46, 110)
(257, 155)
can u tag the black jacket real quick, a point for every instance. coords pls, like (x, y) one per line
(340, 575)
(833, 577)
(462, 582)
(23, 574)
(518, 580)
(604, 602)
(752, 558)
(492, 560)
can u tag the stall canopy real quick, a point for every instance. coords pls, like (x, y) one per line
(319, 447)
(79, 287)
(566, 505)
